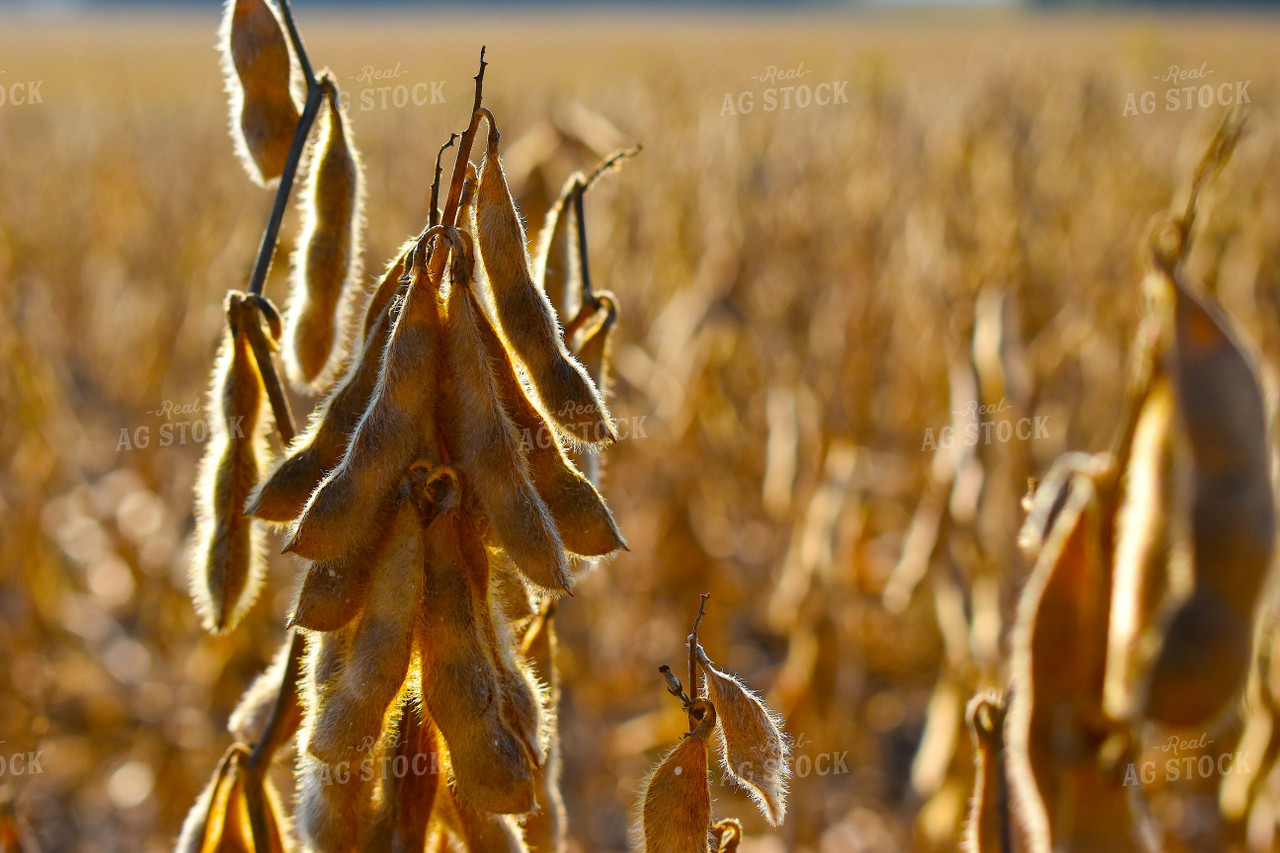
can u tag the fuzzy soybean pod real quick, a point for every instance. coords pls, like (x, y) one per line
(676, 815)
(228, 566)
(582, 518)
(1204, 660)
(486, 445)
(354, 711)
(257, 66)
(462, 690)
(407, 794)
(528, 322)
(554, 263)
(988, 828)
(354, 502)
(326, 263)
(477, 830)
(756, 753)
(282, 495)
(545, 830)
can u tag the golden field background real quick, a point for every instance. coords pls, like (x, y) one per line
(794, 287)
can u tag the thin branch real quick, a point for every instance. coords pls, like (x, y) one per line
(315, 93)
(263, 352)
(584, 267)
(609, 163)
(695, 681)
(299, 50)
(433, 216)
(460, 169)
(283, 721)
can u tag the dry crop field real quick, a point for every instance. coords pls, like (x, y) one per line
(872, 273)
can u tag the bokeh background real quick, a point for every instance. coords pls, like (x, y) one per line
(799, 290)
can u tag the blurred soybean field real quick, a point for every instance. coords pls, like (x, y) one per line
(802, 291)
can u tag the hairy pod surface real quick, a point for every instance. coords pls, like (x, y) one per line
(462, 688)
(756, 754)
(583, 520)
(527, 320)
(353, 503)
(554, 264)
(353, 713)
(282, 495)
(486, 444)
(326, 264)
(406, 799)
(258, 65)
(228, 565)
(676, 816)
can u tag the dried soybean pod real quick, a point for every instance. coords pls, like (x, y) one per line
(460, 685)
(1204, 659)
(480, 832)
(988, 829)
(486, 445)
(353, 713)
(1060, 789)
(527, 320)
(248, 721)
(553, 267)
(1147, 532)
(756, 754)
(257, 65)
(228, 567)
(334, 591)
(332, 807)
(407, 796)
(676, 817)
(326, 264)
(205, 824)
(353, 503)
(282, 495)
(585, 524)
(545, 830)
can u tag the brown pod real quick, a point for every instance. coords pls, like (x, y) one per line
(554, 264)
(213, 823)
(406, 797)
(332, 806)
(352, 505)
(1204, 659)
(479, 832)
(756, 754)
(257, 65)
(352, 714)
(461, 686)
(333, 591)
(1063, 795)
(545, 830)
(486, 445)
(248, 722)
(585, 524)
(988, 828)
(528, 322)
(284, 492)
(228, 566)
(326, 264)
(676, 815)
